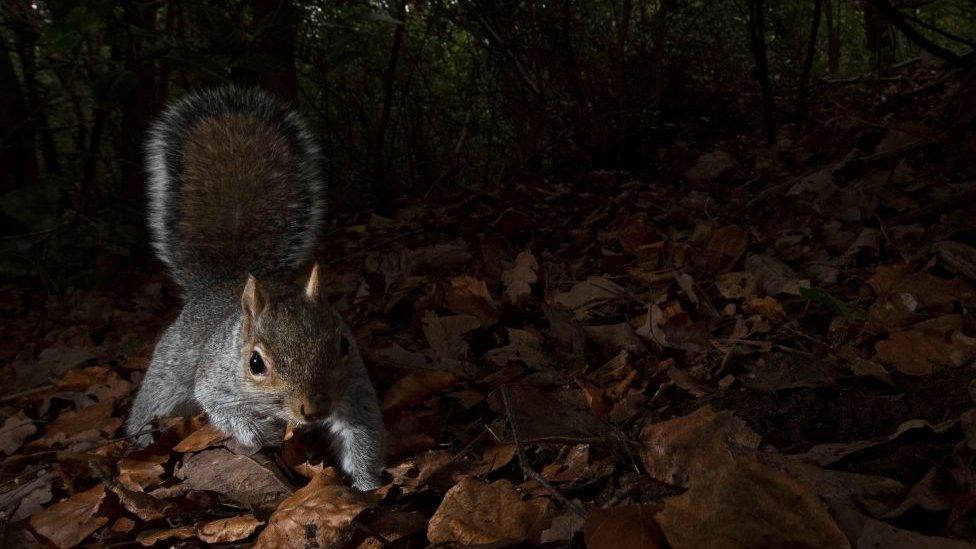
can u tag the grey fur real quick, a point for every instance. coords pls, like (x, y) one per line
(201, 360)
(165, 154)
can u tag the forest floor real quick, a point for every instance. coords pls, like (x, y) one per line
(755, 346)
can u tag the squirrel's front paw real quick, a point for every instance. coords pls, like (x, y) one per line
(143, 440)
(366, 483)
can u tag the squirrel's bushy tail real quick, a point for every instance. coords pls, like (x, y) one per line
(234, 187)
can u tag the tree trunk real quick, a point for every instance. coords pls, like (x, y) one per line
(276, 21)
(833, 37)
(757, 39)
(878, 38)
(381, 187)
(26, 34)
(18, 156)
(801, 107)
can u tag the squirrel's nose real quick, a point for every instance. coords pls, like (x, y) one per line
(310, 410)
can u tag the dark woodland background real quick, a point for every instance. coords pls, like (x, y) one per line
(415, 97)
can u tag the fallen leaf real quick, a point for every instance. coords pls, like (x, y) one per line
(67, 523)
(725, 247)
(523, 346)
(445, 334)
(878, 535)
(773, 276)
(833, 452)
(711, 166)
(416, 387)
(76, 426)
(151, 537)
(237, 477)
(142, 469)
(736, 285)
(519, 279)
(679, 450)
(584, 296)
(393, 526)
(624, 527)
(317, 515)
(228, 529)
(201, 439)
(469, 296)
(636, 233)
(721, 507)
(615, 337)
(959, 257)
(15, 431)
(903, 297)
(549, 414)
(927, 346)
(473, 512)
(31, 501)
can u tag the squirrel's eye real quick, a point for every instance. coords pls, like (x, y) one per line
(257, 364)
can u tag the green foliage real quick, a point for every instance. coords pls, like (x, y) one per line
(834, 305)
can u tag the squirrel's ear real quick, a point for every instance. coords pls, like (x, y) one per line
(313, 289)
(253, 302)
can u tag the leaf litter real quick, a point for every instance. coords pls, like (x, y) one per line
(770, 353)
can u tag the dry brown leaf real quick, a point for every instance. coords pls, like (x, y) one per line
(93, 422)
(416, 387)
(927, 346)
(151, 537)
(774, 277)
(615, 337)
(523, 346)
(721, 507)
(624, 527)
(767, 306)
(546, 414)
(393, 526)
(519, 279)
(671, 327)
(711, 166)
(473, 512)
(201, 439)
(32, 498)
(228, 529)
(736, 285)
(725, 247)
(878, 535)
(445, 334)
(584, 296)
(237, 477)
(15, 431)
(905, 297)
(493, 458)
(959, 257)
(636, 233)
(67, 523)
(469, 296)
(317, 515)
(679, 450)
(142, 469)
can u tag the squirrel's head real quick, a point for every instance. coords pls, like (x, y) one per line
(294, 355)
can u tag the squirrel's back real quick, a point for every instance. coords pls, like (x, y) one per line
(234, 187)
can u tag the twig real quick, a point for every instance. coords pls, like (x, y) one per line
(25, 392)
(527, 470)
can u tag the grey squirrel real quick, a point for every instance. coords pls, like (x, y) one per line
(235, 205)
